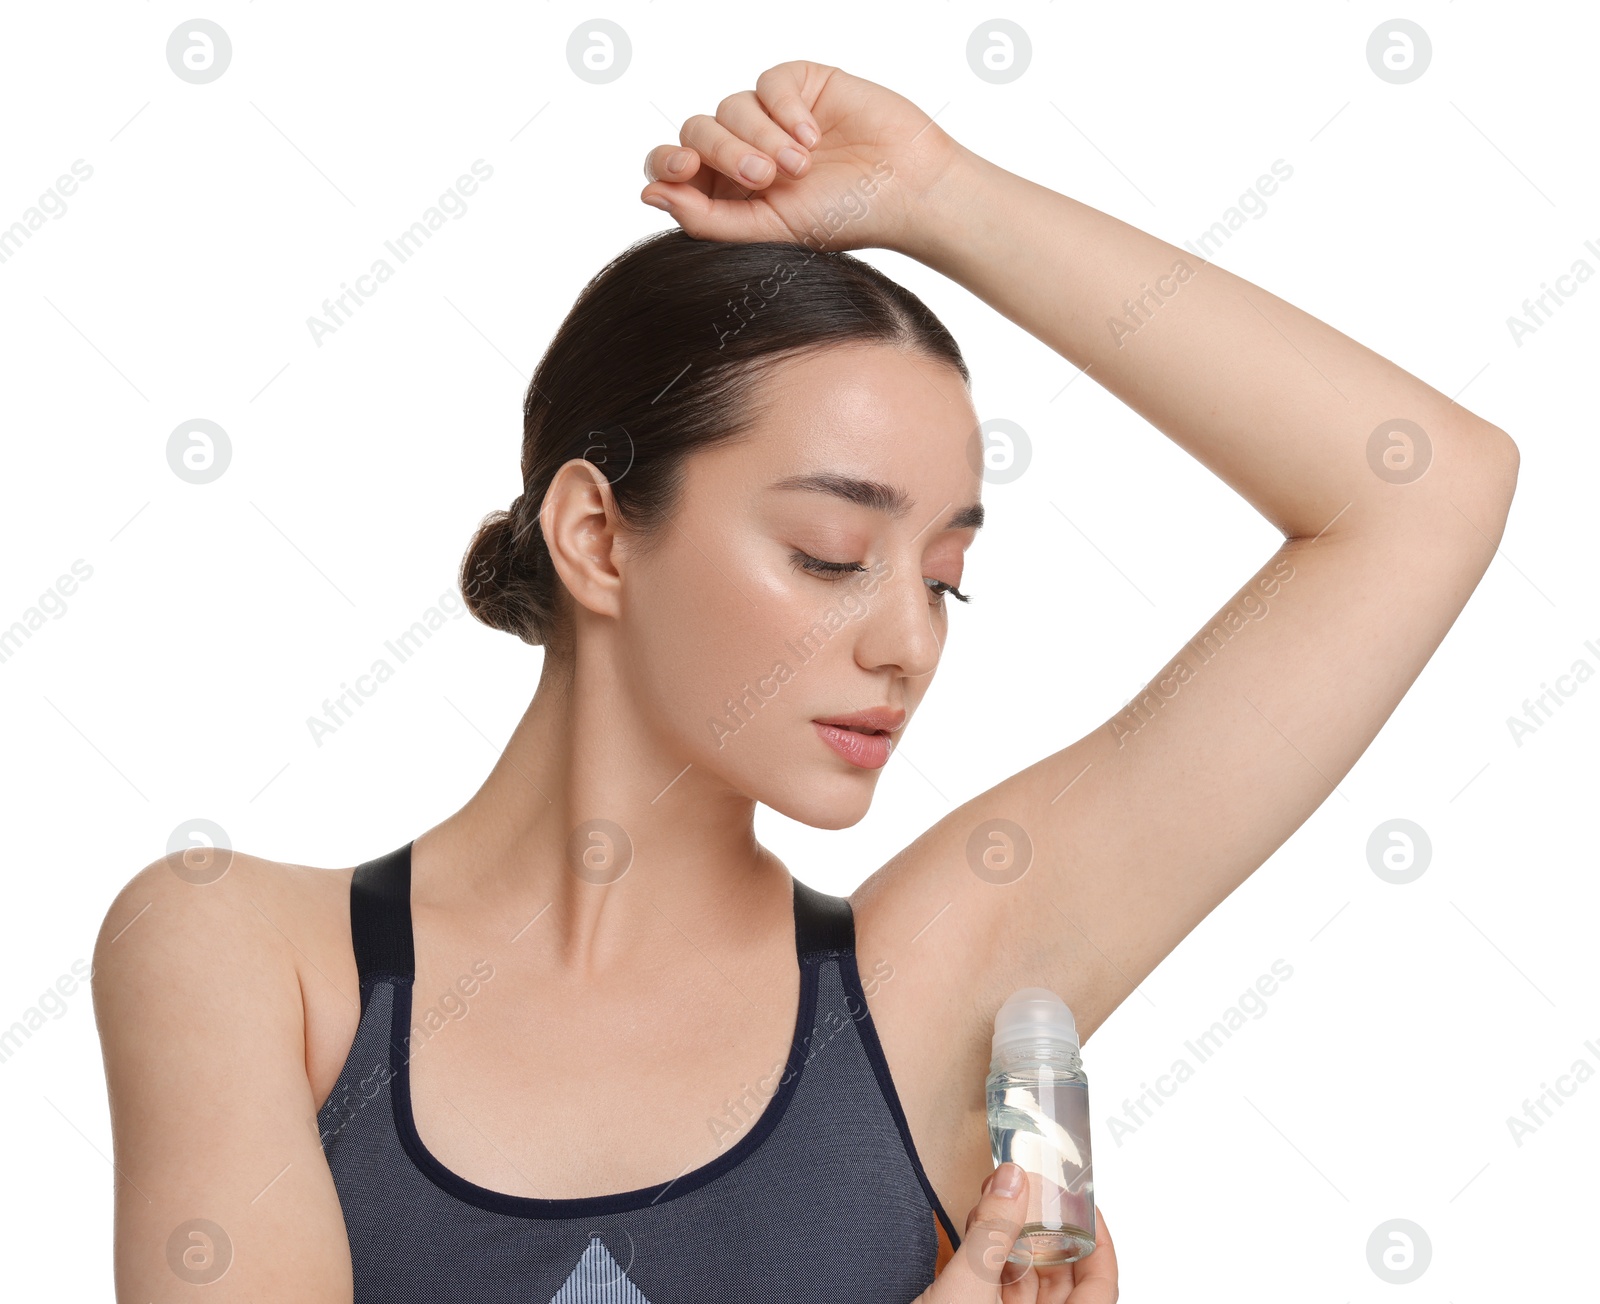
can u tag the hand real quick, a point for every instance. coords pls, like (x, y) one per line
(840, 163)
(980, 1273)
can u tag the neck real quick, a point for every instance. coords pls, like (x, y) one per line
(590, 826)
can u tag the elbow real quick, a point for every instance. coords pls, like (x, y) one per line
(1503, 462)
(1501, 456)
(1484, 480)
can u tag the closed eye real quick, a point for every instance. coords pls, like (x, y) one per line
(837, 569)
(818, 567)
(941, 588)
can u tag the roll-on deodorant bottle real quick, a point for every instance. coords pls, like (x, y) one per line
(1038, 1099)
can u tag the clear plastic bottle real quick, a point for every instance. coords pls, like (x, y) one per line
(1038, 1104)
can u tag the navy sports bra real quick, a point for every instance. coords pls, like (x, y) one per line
(822, 1199)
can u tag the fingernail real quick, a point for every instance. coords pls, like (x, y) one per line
(655, 201)
(677, 162)
(1008, 1179)
(754, 168)
(791, 158)
(806, 134)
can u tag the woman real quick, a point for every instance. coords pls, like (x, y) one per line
(585, 1039)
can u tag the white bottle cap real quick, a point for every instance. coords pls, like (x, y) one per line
(1033, 1014)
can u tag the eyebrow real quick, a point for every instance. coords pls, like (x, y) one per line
(874, 494)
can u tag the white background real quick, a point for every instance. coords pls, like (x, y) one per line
(176, 685)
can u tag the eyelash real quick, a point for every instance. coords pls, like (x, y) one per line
(835, 569)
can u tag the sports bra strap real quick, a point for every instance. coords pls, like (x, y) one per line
(824, 925)
(380, 916)
(380, 919)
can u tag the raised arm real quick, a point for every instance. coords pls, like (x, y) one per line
(1390, 497)
(1317, 432)
(213, 1123)
(1391, 500)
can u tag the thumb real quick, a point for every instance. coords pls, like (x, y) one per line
(981, 1266)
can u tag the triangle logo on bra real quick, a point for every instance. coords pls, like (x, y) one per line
(598, 1279)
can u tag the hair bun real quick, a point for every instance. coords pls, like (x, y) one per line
(494, 579)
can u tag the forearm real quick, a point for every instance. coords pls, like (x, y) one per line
(1277, 403)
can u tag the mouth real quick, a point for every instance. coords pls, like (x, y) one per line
(862, 738)
(877, 720)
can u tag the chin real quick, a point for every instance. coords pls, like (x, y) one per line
(831, 801)
(798, 777)
(832, 819)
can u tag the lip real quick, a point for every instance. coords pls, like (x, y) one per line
(863, 738)
(863, 750)
(877, 719)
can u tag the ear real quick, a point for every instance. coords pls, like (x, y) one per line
(581, 529)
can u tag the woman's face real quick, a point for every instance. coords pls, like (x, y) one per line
(736, 642)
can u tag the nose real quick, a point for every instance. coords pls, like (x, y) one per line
(898, 632)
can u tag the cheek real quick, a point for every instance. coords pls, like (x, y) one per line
(700, 627)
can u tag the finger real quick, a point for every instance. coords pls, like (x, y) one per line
(672, 163)
(1055, 1285)
(1094, 1277)
(734, 220)
(973, 1212)
(788, 91)
(991, 1231)
(744, 116)
(1026, 1289)
(738, 160)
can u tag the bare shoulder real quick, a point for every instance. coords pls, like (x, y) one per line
(199, 976)
(266, 941)
(219, 911)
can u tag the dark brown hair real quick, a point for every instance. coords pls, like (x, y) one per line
(662, 354)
